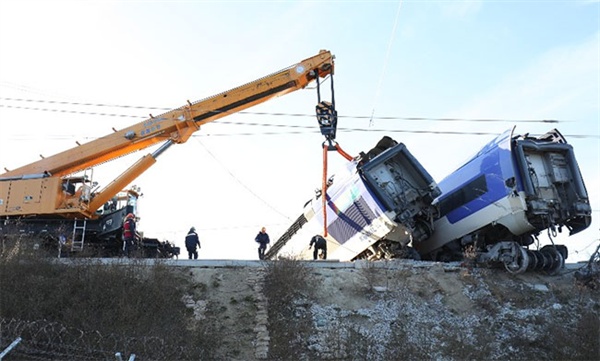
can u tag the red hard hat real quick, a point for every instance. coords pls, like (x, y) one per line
(130, 215)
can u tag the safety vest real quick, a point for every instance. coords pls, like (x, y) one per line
(128, 229)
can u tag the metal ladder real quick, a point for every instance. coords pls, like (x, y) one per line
(77, 243)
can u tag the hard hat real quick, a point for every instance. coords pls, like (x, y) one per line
(130, 215)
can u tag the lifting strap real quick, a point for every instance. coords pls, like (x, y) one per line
(324, 189)
(327, 119)
(325, 184)
(341, 151)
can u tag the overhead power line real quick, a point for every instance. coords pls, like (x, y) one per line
(385, 63)
(247, 112)
(72, 111)
(234, 177)
(439, 132)
(308, 129)
(311, 129)
(60, 102)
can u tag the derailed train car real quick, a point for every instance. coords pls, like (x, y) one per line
(498, 202)
(493, 207)
(376, 208)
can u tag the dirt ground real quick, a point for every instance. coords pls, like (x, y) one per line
(391, 302)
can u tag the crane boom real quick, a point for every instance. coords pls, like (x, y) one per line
(47, 187)
(179, 124)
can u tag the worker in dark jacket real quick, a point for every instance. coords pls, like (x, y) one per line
(192, 243)
(129, 233)
(262, 238)
(320, 243)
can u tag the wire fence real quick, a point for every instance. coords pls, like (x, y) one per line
(47, 340)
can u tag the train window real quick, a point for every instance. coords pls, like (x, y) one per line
(470, 191)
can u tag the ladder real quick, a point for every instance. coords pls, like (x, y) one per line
(79, 226)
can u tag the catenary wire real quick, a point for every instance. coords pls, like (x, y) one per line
(385, 63)
(310, 128)
(446, 119)
(241, 183)
(339, 129)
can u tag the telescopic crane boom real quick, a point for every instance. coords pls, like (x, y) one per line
(45, 187)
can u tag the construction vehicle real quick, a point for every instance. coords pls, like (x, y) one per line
(56, 201)
(492, 209)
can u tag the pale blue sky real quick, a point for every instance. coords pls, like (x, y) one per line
(509, 60)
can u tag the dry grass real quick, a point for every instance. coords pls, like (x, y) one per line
(86, 311)
(287, 282)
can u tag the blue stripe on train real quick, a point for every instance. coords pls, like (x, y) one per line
(480, 182)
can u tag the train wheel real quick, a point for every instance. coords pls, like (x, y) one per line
(519, 262)
(557, 260)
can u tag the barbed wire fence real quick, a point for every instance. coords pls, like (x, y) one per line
(44, 340)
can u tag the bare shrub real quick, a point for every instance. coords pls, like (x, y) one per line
(95, 309)
(286, 283)
(469, 256)
(286, 280)
(581, 342)
(409, 341)
(360, 346)
(461, 345)
(370, 274)
(588, 277)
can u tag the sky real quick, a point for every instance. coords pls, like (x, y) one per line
(72, 70)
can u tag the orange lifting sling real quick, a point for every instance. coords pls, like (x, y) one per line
(326, 148)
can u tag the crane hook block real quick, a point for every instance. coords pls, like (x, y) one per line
(327, 118)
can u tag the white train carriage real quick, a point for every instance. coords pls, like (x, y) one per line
(375, 209)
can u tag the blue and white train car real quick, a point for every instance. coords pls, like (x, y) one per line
(374, 209)
(501, 199)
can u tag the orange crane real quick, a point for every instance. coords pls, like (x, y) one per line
(42, 196)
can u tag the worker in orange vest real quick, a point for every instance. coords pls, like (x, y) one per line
(128, 234)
